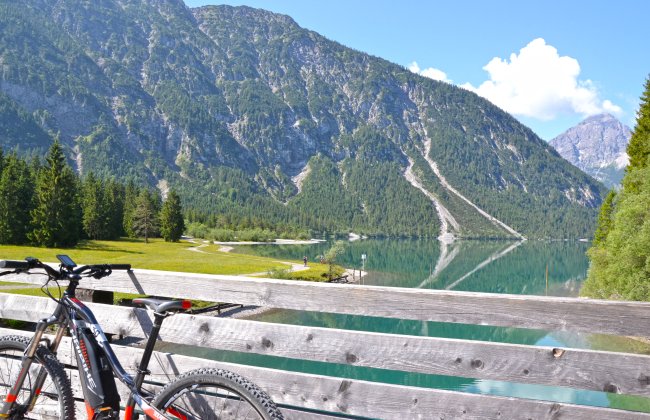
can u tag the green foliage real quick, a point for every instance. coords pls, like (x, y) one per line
(145, 221)
(95, 209)
(605, 219)
(332, 254)
(620, 264)
(620, 255)
(639, 147)
(172, 223)
(56, 218)
(16, 200)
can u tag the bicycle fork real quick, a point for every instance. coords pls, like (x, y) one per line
(27, 360)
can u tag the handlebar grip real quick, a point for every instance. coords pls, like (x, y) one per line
(119, 266)
(16, 265)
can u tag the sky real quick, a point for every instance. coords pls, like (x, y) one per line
(549, 63)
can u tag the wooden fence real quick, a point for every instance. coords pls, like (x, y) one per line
(313, 396)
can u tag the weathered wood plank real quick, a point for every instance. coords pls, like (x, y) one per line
(547, 313)
(361, 398)
(575, 368)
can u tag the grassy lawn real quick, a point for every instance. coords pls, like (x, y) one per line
(156, 255)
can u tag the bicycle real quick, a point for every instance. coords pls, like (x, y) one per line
(34, 384)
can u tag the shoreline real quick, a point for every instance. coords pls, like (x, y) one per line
(276, 242)
(250, 311)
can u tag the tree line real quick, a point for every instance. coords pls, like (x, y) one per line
(45, 203)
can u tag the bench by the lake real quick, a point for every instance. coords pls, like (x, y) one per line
(313, 396)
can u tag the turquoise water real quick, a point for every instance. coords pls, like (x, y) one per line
(480, 266)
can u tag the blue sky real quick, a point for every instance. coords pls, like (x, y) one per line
(549, 63)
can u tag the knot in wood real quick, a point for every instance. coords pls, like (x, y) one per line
(610, 387)
(204, 328)
(557, 353)
(477, 364)
(344, 386)
(350, 358)
(267, 343)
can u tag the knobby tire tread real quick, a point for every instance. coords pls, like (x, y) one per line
(54, 368)
(244, 387)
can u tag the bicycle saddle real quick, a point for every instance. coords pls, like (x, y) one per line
(161, 306)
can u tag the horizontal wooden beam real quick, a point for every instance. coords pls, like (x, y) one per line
(574, 368)
(370, 399)
(537, 312)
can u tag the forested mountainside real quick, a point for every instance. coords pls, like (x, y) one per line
(256, 120)
(597, 146)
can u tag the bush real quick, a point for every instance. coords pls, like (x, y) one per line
(197, 230)
(222, 235)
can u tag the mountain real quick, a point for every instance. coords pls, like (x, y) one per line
(597, 146)
(257, 121)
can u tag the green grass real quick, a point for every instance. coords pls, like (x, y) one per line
(10, 283)
(156, 255)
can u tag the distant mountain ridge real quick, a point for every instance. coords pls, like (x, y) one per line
(597, 146)
(256, 120)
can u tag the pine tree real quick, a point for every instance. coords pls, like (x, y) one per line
(639, 147)
(605, 219)
(114, 194)
(144, 220)
(16, 201)
(131, 193)
(95, 208)
(172, 224)
(56, 218)
(620, 255)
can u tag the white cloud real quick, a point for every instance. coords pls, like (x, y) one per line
(540, 83)
(430, 72)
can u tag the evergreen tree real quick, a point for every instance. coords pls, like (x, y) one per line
(144, 220)
(114, 194)
(131, 193)
(620, 255)
(56, 217)
(95, 208)
(172, 224)
(639, 147)
(605, 218)
(16, 200)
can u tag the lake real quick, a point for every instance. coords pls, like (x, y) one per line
(479, 266)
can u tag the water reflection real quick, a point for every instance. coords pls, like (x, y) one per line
(530, 267)
(480, 266)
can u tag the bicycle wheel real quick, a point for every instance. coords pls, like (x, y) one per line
(215, 394)
(55, 399)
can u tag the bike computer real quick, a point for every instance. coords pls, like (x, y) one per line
(66, 261)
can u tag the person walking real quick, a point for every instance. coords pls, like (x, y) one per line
(304, 260)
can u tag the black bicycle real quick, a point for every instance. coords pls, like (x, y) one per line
(34, 384)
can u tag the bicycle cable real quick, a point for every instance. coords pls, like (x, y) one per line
(45, 289)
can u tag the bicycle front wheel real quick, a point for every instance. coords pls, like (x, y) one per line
(53, 400)
(215, 394)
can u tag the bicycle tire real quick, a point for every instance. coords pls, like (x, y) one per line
(55, 400)
(209, 394)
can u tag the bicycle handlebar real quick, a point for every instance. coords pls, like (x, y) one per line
(17, 265)
(30, 263)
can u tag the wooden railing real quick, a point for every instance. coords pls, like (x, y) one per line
(562, 367)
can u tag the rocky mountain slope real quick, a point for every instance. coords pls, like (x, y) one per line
(257, 120)
(597, 146)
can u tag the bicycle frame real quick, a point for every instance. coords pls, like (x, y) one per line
(76, 316)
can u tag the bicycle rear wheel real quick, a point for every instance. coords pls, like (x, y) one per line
(54, 400)
(215, 394)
